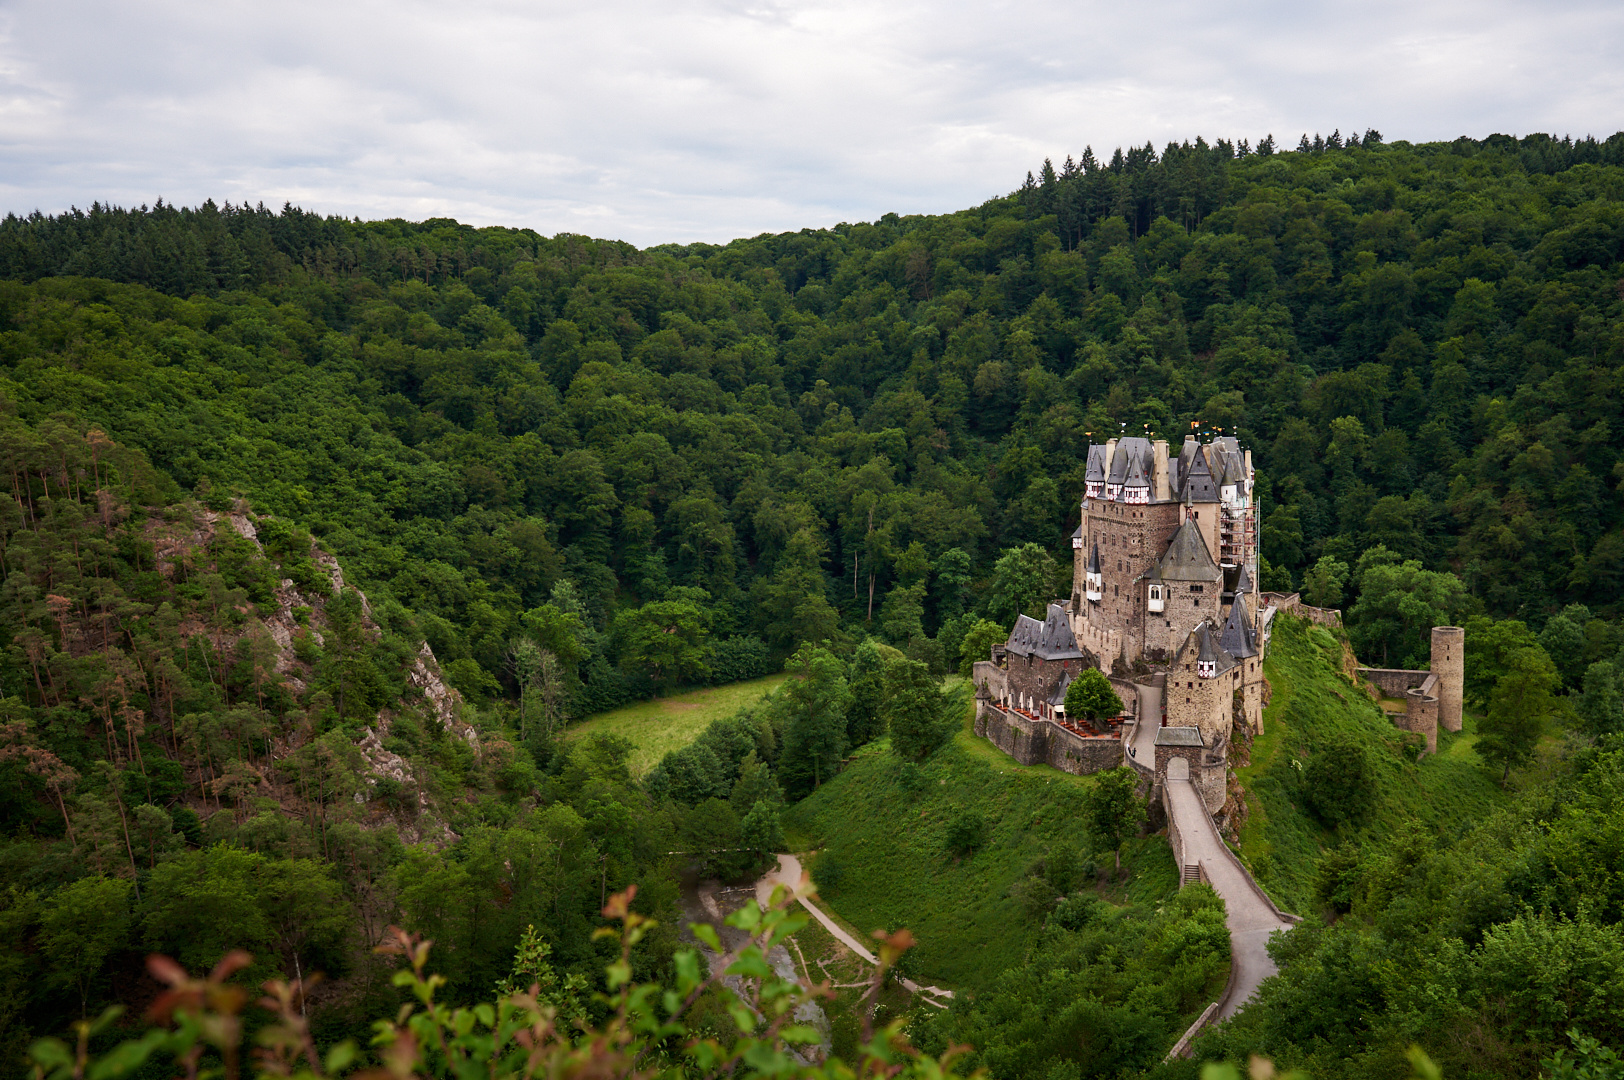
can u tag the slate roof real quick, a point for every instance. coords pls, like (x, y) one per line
(1050, 639)
(1093, 559)
(1058, 698)
(1206, 646)
(1187, 558)
(1134, 449)
(1096, 465)
(1136, 476)
(1179, 736)
(1237, 639)
(1229, 461)
(1187, 454)
(1243, 580)
(1198, 483)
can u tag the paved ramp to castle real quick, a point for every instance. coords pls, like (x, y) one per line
(1251, 918)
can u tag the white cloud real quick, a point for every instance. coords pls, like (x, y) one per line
(708, 119)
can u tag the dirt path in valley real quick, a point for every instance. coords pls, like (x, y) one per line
(789, 873)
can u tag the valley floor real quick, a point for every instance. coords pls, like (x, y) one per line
(665, 724)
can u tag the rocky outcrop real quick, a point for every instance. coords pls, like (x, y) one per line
(179, 540)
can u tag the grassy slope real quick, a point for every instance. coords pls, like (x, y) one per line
(657, 727)
(1312, 704)
(894, 871)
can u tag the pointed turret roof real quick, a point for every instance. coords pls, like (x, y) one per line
(1187, 454)
(1058, 698)
(1093, 566)
(1237, 637)
(1136, 477)
(1096, 465)
(1198, 482)
(1228, 461)
(1243, 581)
(1129, 452)
(1203, 642)
(1187, 557)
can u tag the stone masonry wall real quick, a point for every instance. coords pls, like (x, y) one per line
(1023, 740)
(1164, 754)
(1393, 682)
(1421, 714)
(1041, 742)
(1035, 680)
(1187, 605)
(1293, 603)
(1072, 753)
(1131, 540)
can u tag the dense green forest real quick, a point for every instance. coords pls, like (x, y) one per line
(584, 473)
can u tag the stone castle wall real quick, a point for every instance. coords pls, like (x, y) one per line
(1042, 742)
(1080, 756)
(1030, 679)
(1293, 602)
(1393, 682)
(1132, 539)
(1421, 713)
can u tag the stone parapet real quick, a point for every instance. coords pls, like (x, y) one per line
(1293, 603)
(1393, 682)
(1029, 740)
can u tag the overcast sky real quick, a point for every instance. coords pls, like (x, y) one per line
(706, 120)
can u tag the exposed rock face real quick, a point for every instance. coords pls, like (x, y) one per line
(292, 612)
(425, 675)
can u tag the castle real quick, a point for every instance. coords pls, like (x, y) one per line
(1164, 601)
(1431, 697)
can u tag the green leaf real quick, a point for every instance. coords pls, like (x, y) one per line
(751, 963)
(801, 1033)
(743, 1017)
(687, 965)
(706, 933)
(51, 1053)
(341, 1056)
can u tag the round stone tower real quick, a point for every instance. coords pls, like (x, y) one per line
(1449, 664)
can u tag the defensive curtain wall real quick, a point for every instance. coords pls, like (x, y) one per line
(1432, 697)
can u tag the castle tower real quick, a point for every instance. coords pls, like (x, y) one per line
(1449, 663)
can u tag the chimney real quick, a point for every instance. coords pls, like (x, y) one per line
(1248, 472)
(1161, 489)
(1110, 452)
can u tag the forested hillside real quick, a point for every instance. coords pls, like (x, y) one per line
(581, 473)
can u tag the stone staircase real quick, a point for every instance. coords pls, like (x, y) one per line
(1191, 875)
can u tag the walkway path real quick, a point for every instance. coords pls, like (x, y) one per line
(1142, 738)
(1251, 918)
(790, 874)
